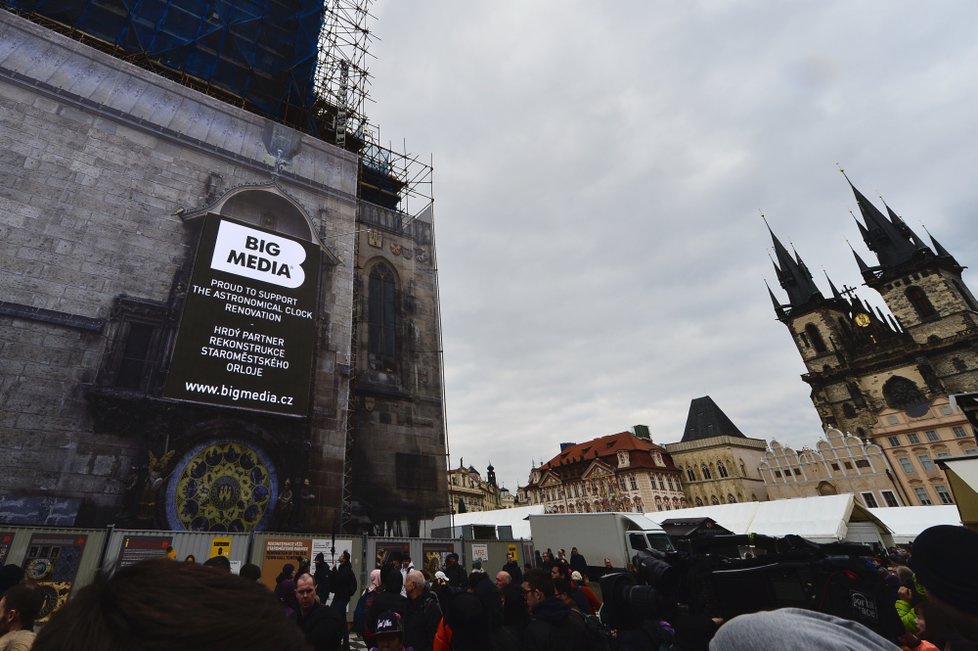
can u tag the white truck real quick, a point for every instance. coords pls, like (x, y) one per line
(597, 536)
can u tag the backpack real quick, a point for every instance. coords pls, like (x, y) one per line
(359, 613)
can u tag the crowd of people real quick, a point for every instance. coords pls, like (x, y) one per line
(546, 605)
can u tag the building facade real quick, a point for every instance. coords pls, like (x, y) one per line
(181, 300)
(914, 444)
(618, 472)
(876, 375)
(840, 463)
(468, 492)
(718, 463)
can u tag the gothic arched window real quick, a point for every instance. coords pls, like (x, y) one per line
(816, 338)
(691, 474)
(714, 500)
(919, 301)
(721, 469)
(706, 472)
(731, 499)
(382, 315)
(699, 502)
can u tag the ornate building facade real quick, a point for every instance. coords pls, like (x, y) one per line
(878, 376)
(468, 492)
(618, 472)
(840, 463)
(718, 463)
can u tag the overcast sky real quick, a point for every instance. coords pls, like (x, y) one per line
(599, 168)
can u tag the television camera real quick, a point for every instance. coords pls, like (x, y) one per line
(708, 580)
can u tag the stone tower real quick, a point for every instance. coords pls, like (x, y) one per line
(860, 361)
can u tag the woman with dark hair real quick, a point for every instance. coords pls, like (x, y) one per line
(156, 605)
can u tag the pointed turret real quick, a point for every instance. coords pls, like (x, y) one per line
(905, 230)
(835, 292)
(893, 245)
(864, 268)
(778, 308)
(793, 275)
(941, 251)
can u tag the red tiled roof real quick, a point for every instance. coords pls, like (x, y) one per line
(606, 448)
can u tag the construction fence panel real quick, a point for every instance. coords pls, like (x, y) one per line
(59, 560)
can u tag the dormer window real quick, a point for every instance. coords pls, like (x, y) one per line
(622, 459)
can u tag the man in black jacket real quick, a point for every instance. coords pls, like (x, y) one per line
(455, 572)
(343, 585)
(423, 613)
(322, 626)
(577, 562)
(513, 569)
(552, 627)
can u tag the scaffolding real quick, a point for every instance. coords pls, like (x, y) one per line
(342, 81)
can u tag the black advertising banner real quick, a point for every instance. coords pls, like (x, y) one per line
(248, 328)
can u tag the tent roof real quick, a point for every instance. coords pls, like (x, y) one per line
(906, 522)
(820, 519)
(735, 517)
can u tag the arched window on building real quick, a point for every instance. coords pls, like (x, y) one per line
(706, 472)
(382, 318)
(691, 474)
(698, 502)
(919, 301)
(721, 469)
(731, 499)
(815, 337)
(714, 500)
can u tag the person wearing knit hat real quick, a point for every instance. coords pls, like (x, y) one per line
(945, 561)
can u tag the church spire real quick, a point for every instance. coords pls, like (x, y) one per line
(891, 239)
(793, 274)
(905, 230)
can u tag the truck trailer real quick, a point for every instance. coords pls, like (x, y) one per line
(597, 536)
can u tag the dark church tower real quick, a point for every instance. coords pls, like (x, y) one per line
(861, 361)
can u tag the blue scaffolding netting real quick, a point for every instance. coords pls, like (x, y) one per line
(262, 51)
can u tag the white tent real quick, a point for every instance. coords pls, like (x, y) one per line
(733, 517)
(515, 518)
(829, 518)
(906, 522)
